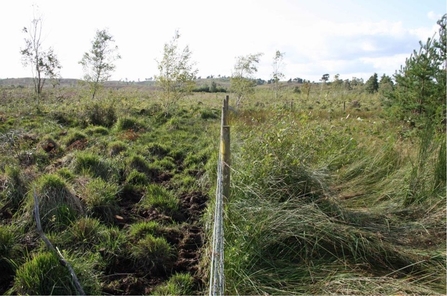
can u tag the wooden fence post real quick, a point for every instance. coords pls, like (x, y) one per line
(225, 149)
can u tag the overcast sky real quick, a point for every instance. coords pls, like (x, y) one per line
(348, 37)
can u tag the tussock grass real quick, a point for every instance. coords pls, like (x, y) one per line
(58, 204)
(153, 254)
(101, 199)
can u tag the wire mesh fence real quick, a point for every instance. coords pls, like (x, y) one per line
(217, 274)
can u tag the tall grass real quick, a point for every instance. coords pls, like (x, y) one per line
(317, 209)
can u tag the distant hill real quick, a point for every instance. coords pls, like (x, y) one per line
(65, 82)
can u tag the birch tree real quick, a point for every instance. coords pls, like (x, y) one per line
(98, 63)
(43, 62)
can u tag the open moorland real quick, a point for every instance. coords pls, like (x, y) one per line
(329, 193)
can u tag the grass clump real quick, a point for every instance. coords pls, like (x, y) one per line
(58, 204)
(75, 136)
(178, 284)
(97, 130)
(158, 150)
(100, 198)
(127, 123)
(153, 254)
(88, 163)
(136, 178)
(116, 147)
(161, 199)
(84, 234)
(141, 229)
(10, 254)
(43, 275)
(16, 187)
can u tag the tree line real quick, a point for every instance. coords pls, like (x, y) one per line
(416, 90)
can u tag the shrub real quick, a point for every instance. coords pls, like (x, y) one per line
(100, 115)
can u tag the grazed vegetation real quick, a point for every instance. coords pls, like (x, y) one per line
(337, 187)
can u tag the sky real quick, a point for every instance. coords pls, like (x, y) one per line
(352, 38)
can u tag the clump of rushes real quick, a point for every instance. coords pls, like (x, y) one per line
(58, 205)
(101, 201)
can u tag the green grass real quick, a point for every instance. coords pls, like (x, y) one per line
(328, 196)
(101, 199)
(152, 254)
(58, 204)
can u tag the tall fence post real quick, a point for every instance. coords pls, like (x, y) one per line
(217, 275)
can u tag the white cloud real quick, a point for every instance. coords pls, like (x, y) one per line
(434, 16)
